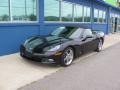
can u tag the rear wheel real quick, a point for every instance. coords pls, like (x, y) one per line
(100, 45)
(67, 57)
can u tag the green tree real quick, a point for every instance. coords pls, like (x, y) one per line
(5, 18)
(32, 17)
(112, 2)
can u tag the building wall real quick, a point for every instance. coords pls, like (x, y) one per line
(12, 36)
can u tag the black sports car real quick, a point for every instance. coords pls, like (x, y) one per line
(62, 45)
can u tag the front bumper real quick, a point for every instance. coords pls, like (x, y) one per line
(48, 57)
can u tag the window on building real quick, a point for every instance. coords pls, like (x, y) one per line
(32, 10)
(96, 14)
(67, 11)
(14, 10)
(25, 10)
(111, 18)
(86, 14)
(119, 19)
(112, 15)
(119, 23)
(4, 10)
(99, 16)
(104, 16)
(52, 10)
(78, 13)
(60, 10)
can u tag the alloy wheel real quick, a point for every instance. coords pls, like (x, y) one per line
(68, 56)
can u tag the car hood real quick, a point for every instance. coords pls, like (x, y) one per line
(45, 41)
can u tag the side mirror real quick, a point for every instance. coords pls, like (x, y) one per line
(85, 38)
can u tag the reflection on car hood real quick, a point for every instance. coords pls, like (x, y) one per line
(45, 41)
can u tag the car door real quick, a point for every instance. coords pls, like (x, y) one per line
(94, 43)
(86, 45)
(88, 41)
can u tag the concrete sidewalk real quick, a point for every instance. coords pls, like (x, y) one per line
(16, 72)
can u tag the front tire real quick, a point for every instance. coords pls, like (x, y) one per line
(67, 57)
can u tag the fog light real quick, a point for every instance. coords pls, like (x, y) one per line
(50, 60)
(58, 53)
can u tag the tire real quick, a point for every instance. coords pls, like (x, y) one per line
(100, 45)
(67, 57)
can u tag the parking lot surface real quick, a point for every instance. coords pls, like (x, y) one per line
(98, 72)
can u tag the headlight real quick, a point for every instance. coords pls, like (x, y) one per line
(55, 48)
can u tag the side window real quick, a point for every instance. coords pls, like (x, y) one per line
(87, 32)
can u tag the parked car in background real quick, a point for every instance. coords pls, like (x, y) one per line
(63, 45)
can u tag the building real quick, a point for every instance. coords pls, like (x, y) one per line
(20, 20)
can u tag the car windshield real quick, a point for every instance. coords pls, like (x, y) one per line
(68, 32)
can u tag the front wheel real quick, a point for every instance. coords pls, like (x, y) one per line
(100, 45)
(67, 57)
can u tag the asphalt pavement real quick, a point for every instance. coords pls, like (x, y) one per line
(100, 71)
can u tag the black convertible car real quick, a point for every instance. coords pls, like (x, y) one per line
(62, 45)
